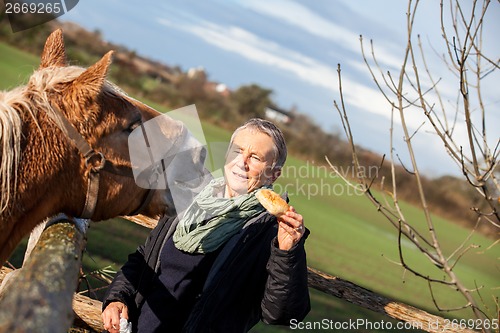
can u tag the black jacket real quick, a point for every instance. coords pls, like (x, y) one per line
(251, 279)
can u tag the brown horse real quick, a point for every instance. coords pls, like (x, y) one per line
(41, 170)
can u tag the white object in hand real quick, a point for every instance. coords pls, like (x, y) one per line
(125, 326)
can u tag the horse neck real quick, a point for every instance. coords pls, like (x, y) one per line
(48, 170)
(54, 166)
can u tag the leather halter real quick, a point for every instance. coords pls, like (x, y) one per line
(95, 162)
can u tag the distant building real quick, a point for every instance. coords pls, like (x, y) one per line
(222, 89)
(219, 88)
(275, 114)
(196, 72)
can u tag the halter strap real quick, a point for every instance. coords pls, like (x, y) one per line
(94, 161)
(70, 131)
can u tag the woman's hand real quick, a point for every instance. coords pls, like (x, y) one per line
(111, 316)
(290, 229)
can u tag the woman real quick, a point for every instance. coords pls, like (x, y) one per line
(226, 263)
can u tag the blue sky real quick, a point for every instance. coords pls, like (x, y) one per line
(293, 48)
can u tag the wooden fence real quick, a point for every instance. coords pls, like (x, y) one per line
(39, 299)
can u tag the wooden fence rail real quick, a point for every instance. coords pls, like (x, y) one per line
(38, 299)
(44, 290)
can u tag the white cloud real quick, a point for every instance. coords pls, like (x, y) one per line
(309, 21)
(248, 45)
(302, 17)
(263, 51)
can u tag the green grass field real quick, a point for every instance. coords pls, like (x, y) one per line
(348, 237)
(15, 66)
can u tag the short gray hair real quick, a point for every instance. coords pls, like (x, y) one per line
(270, 129)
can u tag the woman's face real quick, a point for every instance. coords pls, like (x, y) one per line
(248, 162)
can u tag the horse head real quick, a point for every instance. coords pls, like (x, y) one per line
(66, 125)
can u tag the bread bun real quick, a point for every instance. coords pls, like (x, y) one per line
(272, 202)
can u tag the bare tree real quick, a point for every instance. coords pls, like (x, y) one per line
(415, 89)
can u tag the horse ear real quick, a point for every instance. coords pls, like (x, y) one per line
(54, 53)
(94, 77)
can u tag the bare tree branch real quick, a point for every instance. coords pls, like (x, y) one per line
(464, 59)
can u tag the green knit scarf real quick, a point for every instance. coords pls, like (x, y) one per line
(210, 220)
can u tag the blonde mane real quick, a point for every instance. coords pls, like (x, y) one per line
(29, 100)
(10, 137)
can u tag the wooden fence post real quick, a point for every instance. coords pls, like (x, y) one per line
(40, 297)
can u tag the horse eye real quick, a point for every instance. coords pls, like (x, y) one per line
(133, 126)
